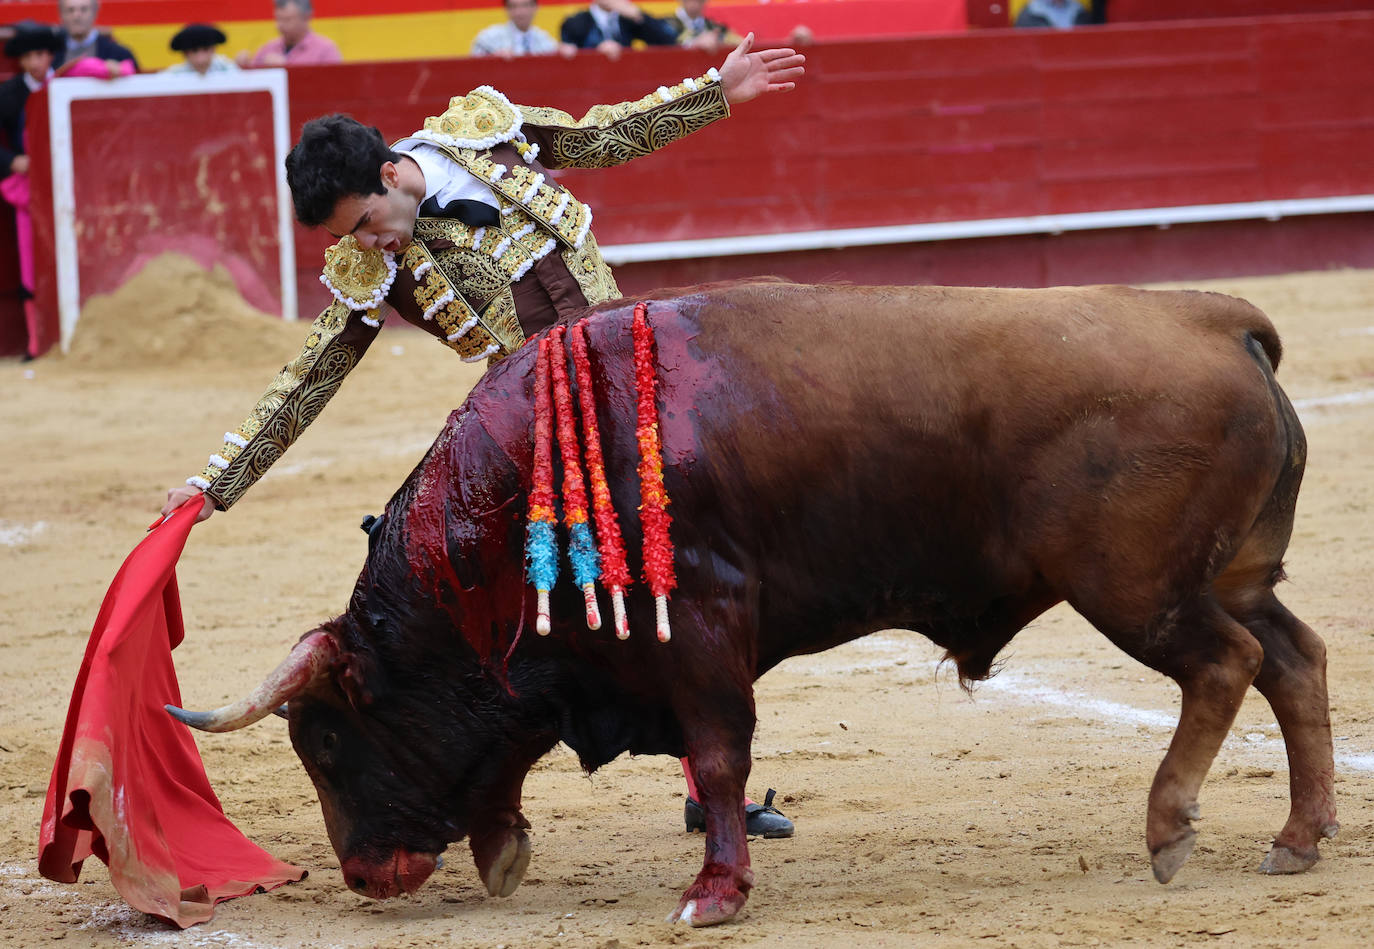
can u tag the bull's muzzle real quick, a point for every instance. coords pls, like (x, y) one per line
(310, 658)
(402, 872)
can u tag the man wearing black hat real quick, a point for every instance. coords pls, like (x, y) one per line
(34, 46)
(197, 43)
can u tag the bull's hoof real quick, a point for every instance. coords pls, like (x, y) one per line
(503, 870)
(716, 896)
(708, 910)
(1167, 860)
(1288, 860)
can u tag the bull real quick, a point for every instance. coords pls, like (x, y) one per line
(840, 460)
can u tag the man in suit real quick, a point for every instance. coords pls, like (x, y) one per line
(698, 31)
(518, 36)
(609, 26)
(81, 39)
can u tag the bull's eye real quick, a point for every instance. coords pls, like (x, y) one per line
(328, 741)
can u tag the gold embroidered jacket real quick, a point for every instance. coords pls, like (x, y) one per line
(453, 280)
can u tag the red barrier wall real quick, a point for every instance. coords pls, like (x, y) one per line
(1133, 11)
(989, 124)
(982, 125)
(995, 13)
(13, 334)
(215, 202)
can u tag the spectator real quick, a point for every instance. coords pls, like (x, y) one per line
(1059, 14)
(34, 46)
(611, 25)
(518, 36)
(695, 30)
(81, 39)
(197, 43)
(297, 45)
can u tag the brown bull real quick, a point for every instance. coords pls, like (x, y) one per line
(840, 460)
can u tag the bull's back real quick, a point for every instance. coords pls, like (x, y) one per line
(804, 369)
(942, 446)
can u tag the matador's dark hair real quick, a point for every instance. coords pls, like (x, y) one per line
(336, 157)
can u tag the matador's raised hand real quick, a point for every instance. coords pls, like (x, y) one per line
(745, 75)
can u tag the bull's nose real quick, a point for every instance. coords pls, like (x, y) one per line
(369, 879)
(402, 872)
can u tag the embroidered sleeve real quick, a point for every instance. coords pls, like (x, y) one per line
(614, 134)
(336, 342)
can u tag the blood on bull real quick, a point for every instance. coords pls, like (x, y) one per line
(839, 460)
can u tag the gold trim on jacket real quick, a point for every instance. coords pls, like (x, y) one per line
(465, 287)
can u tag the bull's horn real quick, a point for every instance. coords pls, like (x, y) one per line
(310, 658)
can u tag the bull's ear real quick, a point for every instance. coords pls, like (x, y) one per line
(353, 682)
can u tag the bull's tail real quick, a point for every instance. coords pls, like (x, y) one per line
(1237, 318)
(1258, 564)
(1268, 339)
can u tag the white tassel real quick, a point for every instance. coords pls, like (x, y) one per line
(542, 626)
(622, 623)
(489, 351)
(593, 608)
(661, 616)
(434, 307)
(562, 206)
(586, 226)
(533, 189)
(461, 331)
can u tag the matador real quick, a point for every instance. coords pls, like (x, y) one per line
(461, 231)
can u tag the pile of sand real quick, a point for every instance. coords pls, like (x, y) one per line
(174, 311)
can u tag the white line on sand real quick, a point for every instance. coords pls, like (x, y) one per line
(1344, 398)
(1031, 687)
(17, 535)
(113, 918)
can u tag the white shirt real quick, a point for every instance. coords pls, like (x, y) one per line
(220, 63)
(445, 179)
(504, 37)
(608, 21)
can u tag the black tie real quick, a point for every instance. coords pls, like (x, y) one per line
(472, 213)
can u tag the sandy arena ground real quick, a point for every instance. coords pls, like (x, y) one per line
(923, 817)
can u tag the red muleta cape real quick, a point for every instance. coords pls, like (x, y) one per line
(128, 785)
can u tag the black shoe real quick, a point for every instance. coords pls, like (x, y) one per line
(760, 820)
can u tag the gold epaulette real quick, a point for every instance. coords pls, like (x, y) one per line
(478, 120)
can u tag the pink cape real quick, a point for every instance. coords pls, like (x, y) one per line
(128, 785)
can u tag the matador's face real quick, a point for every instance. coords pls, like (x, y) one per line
(385, 221)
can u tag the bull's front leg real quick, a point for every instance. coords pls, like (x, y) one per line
(501, 849)
(496, 833)
(719, 759)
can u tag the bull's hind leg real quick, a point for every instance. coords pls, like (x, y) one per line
(1213, 659)
(1293, 680)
